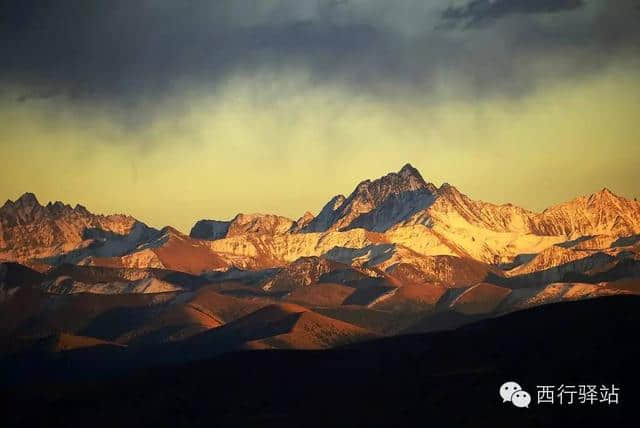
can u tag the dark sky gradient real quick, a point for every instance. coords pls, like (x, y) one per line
(119, 50)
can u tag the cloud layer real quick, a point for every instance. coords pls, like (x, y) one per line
(122, 51)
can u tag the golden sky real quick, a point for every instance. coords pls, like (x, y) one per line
(212, 154)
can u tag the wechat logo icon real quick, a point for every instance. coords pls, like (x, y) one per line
(513, 392)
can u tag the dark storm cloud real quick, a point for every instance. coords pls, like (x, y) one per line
(479, 11)
(123, 51)
(119, 47)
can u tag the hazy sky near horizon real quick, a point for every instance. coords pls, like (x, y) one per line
(173, 111)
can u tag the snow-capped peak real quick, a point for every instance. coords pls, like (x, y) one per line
(377, 205)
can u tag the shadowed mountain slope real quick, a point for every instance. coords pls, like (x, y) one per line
(453, 377)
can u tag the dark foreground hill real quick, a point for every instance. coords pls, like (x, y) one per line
(440, 379)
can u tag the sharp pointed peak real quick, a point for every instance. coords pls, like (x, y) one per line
(601, 196)
(408, 169)
(57, 207)
(9, 203)
(407, 174)
(605, 192)
(28, 198)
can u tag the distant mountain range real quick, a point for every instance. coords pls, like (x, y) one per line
(399, 214)
(397, 255)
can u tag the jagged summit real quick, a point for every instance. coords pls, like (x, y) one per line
(404, 197)
(408, 171)
(603, 212)
(604, 196)
(367, 194)
(28, 203)
(31, 230)
(398, 209)
(376, 204)
(28, 198)
(607, 191)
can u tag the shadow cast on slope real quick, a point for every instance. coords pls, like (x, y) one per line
(446, 379)
(108, 244)
(554, 274)
(371, 255)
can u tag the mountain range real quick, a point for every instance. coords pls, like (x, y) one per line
(398, 255)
